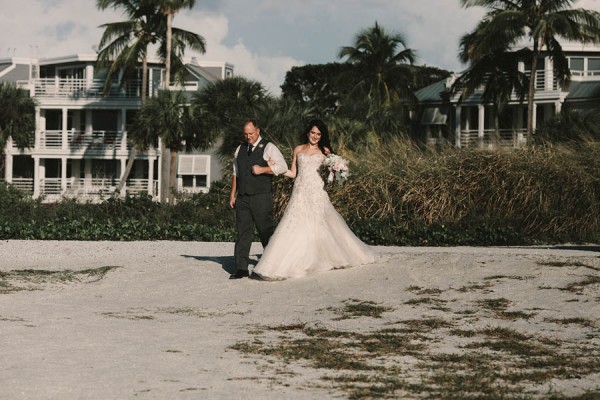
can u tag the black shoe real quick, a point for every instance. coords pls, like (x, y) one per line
(239, 275)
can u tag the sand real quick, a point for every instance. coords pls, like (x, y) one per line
(162, 324)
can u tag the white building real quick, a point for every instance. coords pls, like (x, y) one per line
(445, 119)
(81, 146)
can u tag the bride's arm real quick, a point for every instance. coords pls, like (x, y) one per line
(291, 173)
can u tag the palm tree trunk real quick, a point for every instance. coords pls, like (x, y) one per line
(165, 178)
(531, 97)
(173, 177)
(134, 150)
(496, 125)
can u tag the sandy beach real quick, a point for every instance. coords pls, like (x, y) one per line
(161, 320)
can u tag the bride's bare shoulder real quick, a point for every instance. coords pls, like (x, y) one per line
(298, 148)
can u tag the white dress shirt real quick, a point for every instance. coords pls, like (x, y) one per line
(278, 166)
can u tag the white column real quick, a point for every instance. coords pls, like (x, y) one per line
(8, 165)
(457, 115)
(549, 71)
(39, 173)
(151, 175)
(88, 121)
(65, 132)
(40, 125)
(87, 172)
(535, 116)
(63, 174)
(480, 124)
(557, 107)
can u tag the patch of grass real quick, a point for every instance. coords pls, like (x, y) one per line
(131, 315)
(354, 308)
(570, 321)
(569, 263)
(422, 291)
(499, 304)
(498, 307)
(497, 363)
(435, 304)
(473, 286)
(578, 286)
(499, 277)
(33, 279)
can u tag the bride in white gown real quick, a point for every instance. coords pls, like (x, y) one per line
(312, 236)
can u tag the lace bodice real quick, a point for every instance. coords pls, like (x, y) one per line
(308, 176)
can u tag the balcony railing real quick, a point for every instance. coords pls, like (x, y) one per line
(93, 89)
(23, 184)
(509, 138)
(79, 140)
(544, 80)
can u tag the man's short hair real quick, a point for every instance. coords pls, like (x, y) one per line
(252, 121)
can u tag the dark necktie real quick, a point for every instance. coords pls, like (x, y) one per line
(249, 149)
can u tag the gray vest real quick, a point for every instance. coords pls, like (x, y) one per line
(247, 183)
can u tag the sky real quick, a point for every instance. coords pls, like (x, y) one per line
(263, 39)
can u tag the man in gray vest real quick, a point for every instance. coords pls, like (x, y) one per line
(255, 163)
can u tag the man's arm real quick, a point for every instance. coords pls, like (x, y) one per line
(232, 195)
(277, 164)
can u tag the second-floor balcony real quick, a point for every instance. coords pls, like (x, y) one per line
(55, 88)
(79, 140)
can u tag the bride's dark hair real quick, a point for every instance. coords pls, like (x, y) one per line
(324, 142)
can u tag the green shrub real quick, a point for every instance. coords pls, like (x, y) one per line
(398, 194)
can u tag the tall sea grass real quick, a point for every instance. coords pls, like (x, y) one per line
(545, 192)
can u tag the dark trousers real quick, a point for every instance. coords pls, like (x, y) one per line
(250, 211)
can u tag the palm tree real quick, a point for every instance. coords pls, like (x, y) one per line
(496, 74)
(169, 8)
(17, 116)
(226, 104)
(123, 44)
(544, 23)
(166, 116)
(381, 65)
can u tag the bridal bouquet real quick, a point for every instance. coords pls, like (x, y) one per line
(337, 168)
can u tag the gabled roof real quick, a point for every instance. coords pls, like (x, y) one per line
(432, 93)
(202, 72)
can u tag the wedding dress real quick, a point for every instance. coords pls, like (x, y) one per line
(311, 236)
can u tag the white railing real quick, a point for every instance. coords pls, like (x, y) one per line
(90, 89)
(96, 140)
(139, 186)
(508, 138)
(91, 187)
(542, 80)
(23, 184)
(51, 139)
(82, 88)
(51, 186)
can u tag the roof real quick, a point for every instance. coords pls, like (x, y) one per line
(432, 93)
(203, 72)
(584, 90)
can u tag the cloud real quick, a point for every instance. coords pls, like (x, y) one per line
(262, 38)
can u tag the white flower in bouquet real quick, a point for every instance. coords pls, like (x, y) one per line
(337, 167)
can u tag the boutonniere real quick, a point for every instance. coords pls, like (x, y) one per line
(260, 146)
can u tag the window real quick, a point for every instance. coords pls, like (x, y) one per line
(594, 66)
(576, 64)
(194, 170)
